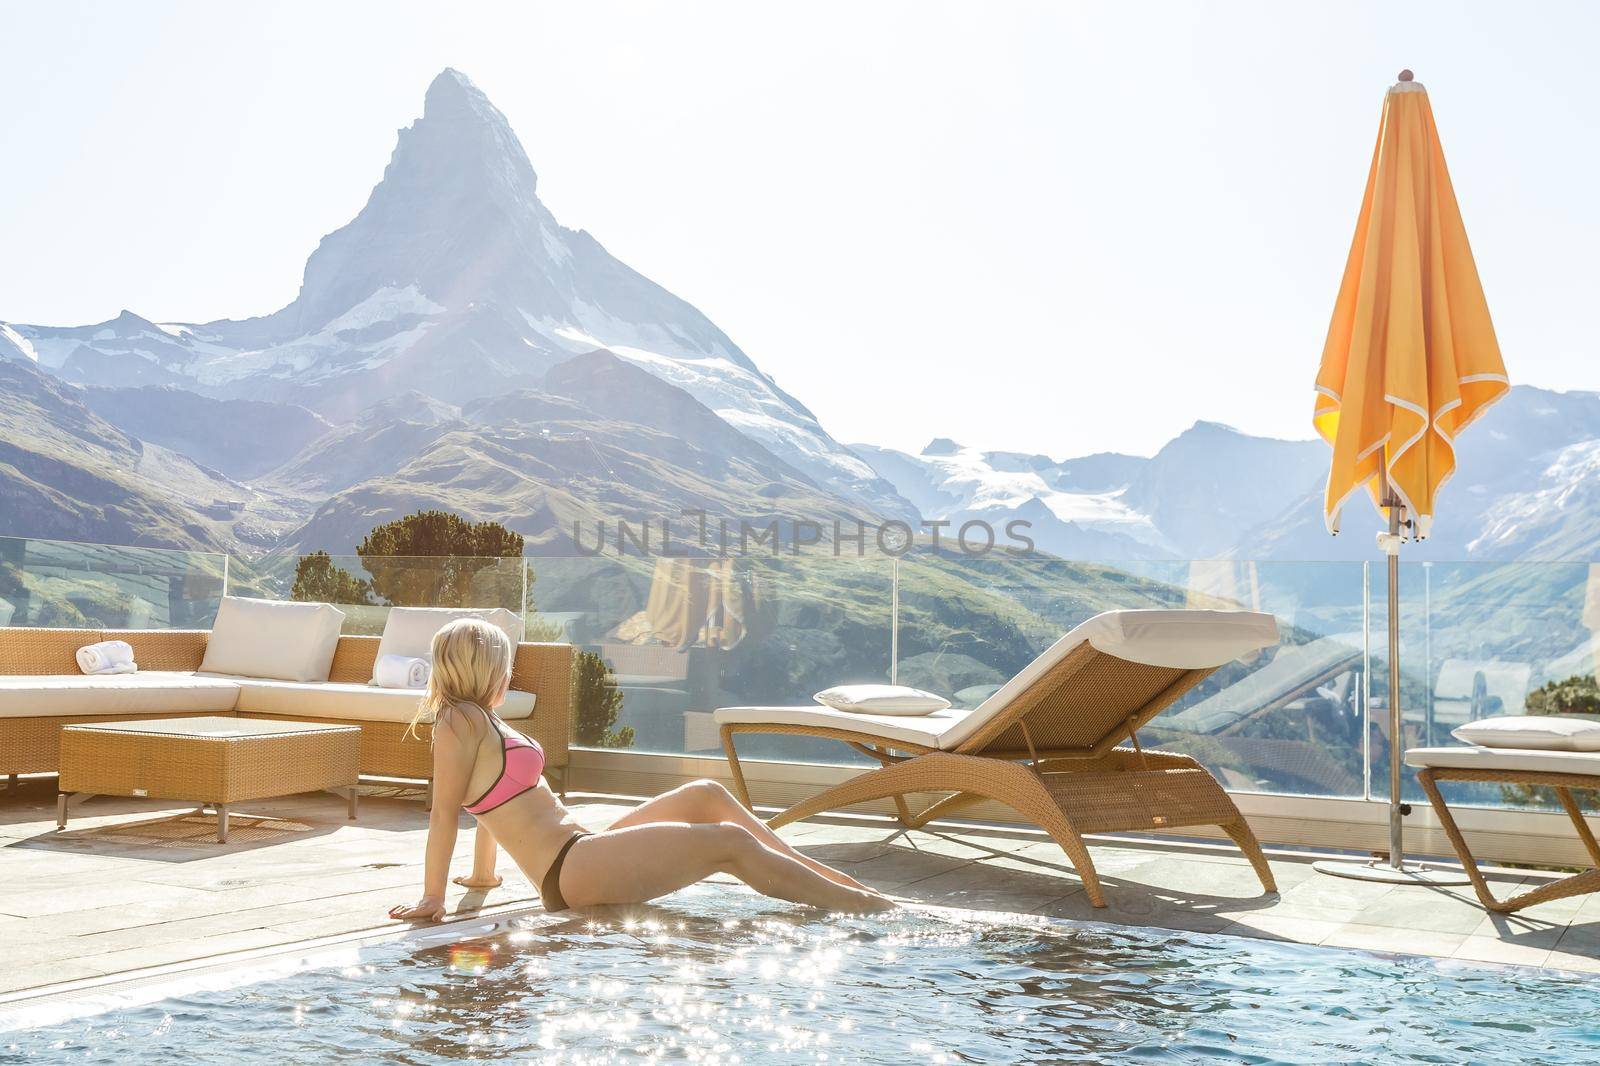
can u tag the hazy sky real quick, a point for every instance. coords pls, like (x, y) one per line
(1057, 227)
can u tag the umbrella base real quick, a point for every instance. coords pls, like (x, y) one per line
(1381, 870)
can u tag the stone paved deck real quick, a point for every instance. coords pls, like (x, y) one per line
(135, 884)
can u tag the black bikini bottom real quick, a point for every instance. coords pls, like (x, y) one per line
(550, 887)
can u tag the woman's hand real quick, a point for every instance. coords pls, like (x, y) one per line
(479, 881)
(428, 909)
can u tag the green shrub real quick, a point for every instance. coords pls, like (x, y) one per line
(434, 559)
(596, 701)
(1578, 694)
(318, 579)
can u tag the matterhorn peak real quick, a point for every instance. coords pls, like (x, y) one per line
(458, 122)
(452, 97)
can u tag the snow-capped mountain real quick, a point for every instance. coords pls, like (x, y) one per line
(1211, 484)
(454, 280)
(1527, 487)
(1192, 499)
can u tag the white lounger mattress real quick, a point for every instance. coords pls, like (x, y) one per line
(1523, 759)
(1182, 640)
(923, 729)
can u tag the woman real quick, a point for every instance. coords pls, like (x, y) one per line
(486, 768)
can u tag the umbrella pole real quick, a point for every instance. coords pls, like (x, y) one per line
(1396, 723)
(1394, 869)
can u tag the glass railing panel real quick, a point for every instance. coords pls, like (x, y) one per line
(62, 584)
(1482, 640)
(666, 641)
(681, 637)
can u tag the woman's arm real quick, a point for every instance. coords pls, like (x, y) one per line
(455, 749)
(485, 854)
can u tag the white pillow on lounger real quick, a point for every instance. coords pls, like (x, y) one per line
(1544, 732)
(881, 699)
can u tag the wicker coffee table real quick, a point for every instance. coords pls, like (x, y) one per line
(214, 762)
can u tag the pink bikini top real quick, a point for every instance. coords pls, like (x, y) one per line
(521, 763)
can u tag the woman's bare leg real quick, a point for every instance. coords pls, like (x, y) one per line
(639, 863)
(702, 802)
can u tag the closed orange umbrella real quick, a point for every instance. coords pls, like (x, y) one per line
(1411, 359)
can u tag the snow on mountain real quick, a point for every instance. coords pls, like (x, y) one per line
(455, 280)
(14, 345)
(1553, 520)
(1075, 507)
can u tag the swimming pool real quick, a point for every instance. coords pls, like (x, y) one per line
(721, 976)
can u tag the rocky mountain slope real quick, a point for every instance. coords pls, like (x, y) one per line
(608, 441)
(68, 474)
(241, 438)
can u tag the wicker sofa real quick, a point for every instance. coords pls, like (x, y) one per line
(42, 689)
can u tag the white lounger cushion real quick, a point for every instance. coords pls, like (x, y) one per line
(1552, 762)
(1185, 640)
(338, 699)
(923, 729)
(1180, 640)
(146, 692)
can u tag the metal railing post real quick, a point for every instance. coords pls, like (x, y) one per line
(894, 621)
(1366, 680)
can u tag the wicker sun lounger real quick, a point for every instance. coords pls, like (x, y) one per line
(1562, 771)
(1046, 744)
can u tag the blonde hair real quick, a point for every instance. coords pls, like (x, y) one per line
(471, 664)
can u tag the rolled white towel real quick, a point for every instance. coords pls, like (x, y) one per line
(400, 671)
(107, 657)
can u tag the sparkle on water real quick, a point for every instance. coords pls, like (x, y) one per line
(721, 976)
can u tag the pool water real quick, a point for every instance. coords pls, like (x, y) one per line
(719, 976)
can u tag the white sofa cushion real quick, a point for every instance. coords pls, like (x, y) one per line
(925, 729)
(271, 638)
(146, 692)
(881, 699)
(409, 631)
(1544, 732)
(340, 699)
